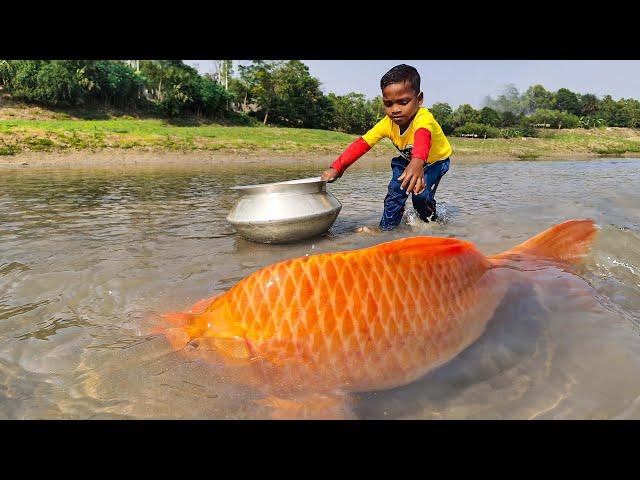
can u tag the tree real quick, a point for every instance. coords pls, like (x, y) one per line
(260, 78)
(299, 100)
(352, 113)
(377, 107)
(609, 111)
(489, 116)
(50, 82)
(588, 104)
(508, 119)
(567, 101)
(443, 113)
(112, 82)
(631, 112)
(508, 101)
(224, 70)
(240, 90)
(465, 114)
(537, 97)
(164, 76)
(6, 72)
(177, 88)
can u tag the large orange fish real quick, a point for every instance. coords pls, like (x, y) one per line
(308, 330)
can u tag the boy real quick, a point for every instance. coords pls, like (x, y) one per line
(424, 149)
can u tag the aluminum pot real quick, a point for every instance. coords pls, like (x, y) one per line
(284, 211)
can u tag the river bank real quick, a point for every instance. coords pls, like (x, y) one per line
(113, 157)
(40, 137)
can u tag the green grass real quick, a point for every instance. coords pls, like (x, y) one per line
(158, 133)
(61, 134)
(6, 150)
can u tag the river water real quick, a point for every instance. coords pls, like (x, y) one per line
(90, 258)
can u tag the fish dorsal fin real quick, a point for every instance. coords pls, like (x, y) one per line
(426, 246)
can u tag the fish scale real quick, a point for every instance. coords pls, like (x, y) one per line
(356, 331)
(373, 318)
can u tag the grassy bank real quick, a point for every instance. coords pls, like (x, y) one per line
(32, 131)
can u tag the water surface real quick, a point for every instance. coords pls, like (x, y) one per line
(90, 257)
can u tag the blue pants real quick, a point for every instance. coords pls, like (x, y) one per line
(425, 203)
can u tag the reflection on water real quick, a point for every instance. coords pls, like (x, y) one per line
(90, 257)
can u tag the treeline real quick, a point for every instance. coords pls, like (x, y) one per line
(514, 114)
(162, 87)
(284, 93)
(272, 92)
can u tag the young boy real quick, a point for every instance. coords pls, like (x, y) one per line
(424, 149)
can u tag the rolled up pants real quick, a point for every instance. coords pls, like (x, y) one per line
(424, 203)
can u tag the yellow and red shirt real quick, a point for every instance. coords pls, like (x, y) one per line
(423, 138)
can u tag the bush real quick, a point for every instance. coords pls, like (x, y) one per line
(518, 132)
(241, 119)
(210, 98)
(554, 118)
(478, 129)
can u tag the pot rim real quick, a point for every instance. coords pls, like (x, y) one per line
(301, 185)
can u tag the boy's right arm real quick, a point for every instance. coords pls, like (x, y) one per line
(350, 155)
(358, 148)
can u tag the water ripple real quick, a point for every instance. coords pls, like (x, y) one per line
(90, 257)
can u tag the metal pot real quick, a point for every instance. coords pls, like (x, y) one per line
(284, 211)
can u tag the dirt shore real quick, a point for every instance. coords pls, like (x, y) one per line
(117, 157)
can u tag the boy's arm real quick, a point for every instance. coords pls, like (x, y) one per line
(358, 148)
(422, 144)
(352, 153)
(413, 176)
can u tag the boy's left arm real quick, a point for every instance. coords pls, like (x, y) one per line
(413, 176)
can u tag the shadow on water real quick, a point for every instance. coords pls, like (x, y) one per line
(516, 333)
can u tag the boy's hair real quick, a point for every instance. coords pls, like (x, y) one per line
(399, 74)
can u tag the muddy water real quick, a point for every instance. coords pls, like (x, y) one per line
(89, 258)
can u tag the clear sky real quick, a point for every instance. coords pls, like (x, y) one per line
(470, 81)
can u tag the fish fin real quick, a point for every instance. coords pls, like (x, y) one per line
(201, 305)
(177, 337)
(425, 246)
(234, 350)
(568, 242)
(316, 406)
(179, 319)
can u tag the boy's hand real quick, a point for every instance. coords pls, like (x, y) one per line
(413, 177)
(330, 175)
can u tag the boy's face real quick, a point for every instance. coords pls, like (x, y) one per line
(401, 102)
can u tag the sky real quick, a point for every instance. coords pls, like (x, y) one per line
(470, 81)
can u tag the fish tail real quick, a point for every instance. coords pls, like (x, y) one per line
(568, 242)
